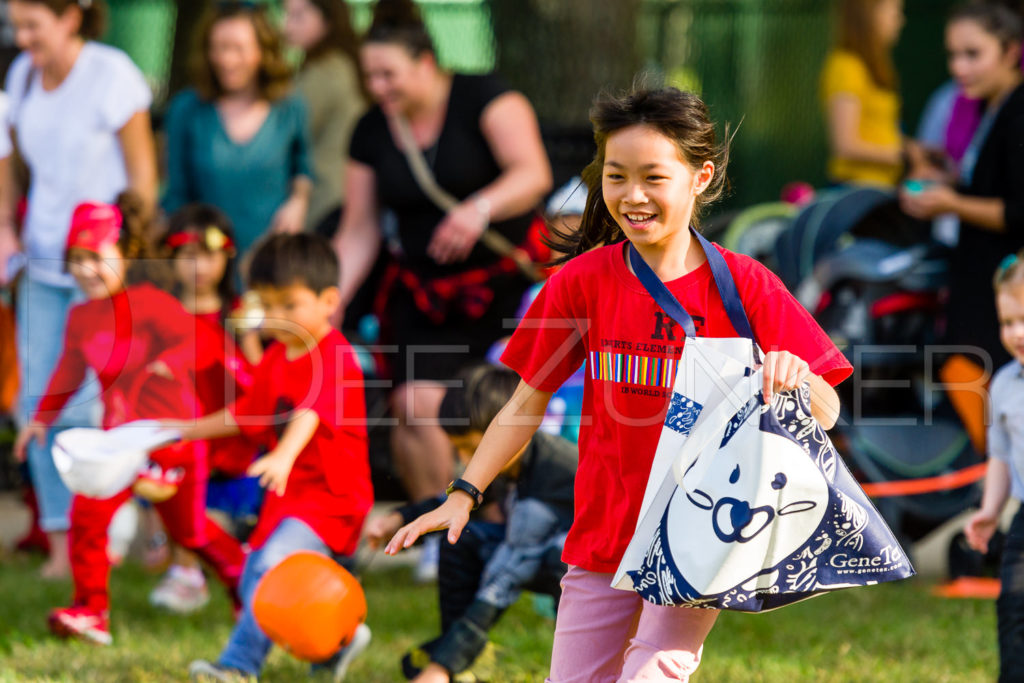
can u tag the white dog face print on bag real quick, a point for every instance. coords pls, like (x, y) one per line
(760, 500)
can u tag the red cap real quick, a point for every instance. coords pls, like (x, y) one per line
(93, 225)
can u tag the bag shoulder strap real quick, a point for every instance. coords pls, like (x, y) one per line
(727, 288)
(660, 293)
(20, 168)
(30, 76)
(724, 282)
(420, 170)
(445, 201)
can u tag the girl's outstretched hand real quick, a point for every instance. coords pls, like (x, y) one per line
(452, 515)
(783, 371)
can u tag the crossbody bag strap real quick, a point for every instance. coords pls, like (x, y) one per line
(726, 288)
(19, 165)
(723, 281)
(444, 200)
(420, 170)
(660, 293)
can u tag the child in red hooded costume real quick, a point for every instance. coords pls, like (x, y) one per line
(142, 346)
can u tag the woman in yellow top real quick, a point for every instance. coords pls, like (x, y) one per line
(858, 86)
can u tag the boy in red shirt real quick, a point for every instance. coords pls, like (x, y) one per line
(307, 410)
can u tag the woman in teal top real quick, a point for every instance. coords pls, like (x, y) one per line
(239, 140)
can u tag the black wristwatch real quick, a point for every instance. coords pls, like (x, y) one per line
(466, 487)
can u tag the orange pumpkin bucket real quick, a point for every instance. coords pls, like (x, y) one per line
(309, 605)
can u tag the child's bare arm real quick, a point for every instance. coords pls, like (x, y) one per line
(274, 467)
(983, 523)
(213, 426)
(997, 487)
(511, 429)
(824, 402)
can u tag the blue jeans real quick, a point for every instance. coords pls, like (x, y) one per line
(42, 313)
(493, 563)
(484, 573)
(531, 530)
(248, 645)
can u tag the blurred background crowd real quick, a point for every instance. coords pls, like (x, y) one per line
(856, 123)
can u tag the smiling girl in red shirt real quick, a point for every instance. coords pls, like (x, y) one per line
(658, 165)
(145, 350)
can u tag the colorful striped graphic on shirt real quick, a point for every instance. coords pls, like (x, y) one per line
(629, 369)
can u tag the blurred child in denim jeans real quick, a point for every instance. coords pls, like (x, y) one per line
(484, 573)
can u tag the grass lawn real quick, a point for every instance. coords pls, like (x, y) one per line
(887, 633)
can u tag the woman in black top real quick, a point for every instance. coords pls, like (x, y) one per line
(984, 45)
(482, 144)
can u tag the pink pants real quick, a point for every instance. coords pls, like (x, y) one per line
(604, 635)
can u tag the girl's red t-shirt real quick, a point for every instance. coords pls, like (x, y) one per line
(595, 310)
(217, 386)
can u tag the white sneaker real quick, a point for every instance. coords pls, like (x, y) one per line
(202, 671)
(430, 555)
(181, 590)
(360, 641)
(82, 623)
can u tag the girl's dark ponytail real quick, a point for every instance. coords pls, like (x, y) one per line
(134, 226)
(597, 227)
(143, 264)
